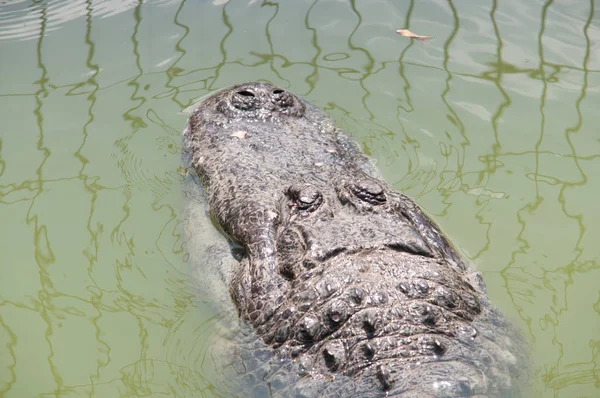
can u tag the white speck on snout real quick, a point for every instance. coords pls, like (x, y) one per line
(441, 385)
(239, 134)
(271, 215)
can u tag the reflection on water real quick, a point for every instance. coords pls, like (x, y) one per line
(22, 19)
(491, 126)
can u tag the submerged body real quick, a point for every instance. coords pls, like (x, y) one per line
(336, 270)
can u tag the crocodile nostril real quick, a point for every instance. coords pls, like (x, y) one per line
(282, 99)
(245, 100)
(246, 93)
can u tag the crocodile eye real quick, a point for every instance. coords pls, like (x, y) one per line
(282, 98)
(306, 198)
(369, 191)
(244, 100)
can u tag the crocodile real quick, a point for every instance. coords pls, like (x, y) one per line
(335, 271)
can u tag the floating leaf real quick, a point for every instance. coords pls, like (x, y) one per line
(411, 35)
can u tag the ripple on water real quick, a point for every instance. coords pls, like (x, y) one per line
(23, 19)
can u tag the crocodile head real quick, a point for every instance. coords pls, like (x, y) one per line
(338, 270)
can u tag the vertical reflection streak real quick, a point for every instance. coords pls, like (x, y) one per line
(573, 130)
(401, 66)
(91, 81)
(270, 40)
(91, 253)
(368, 69)
(531, 207)
(137, 122)
(6, 331)
(2, 162)
(412, 166)
(312, 79)
(220, 65)
(179, 49)
(492, 163)
(542, 72)
(460, 156)
(42, 252)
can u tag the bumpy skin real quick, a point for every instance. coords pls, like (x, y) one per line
(338, 271)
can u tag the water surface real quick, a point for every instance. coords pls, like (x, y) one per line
(492, 126)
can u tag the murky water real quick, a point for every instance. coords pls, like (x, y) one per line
(492, 126)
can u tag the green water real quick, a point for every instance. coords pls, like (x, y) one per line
(492, 126)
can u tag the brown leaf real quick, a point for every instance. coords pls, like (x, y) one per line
(411, 35)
